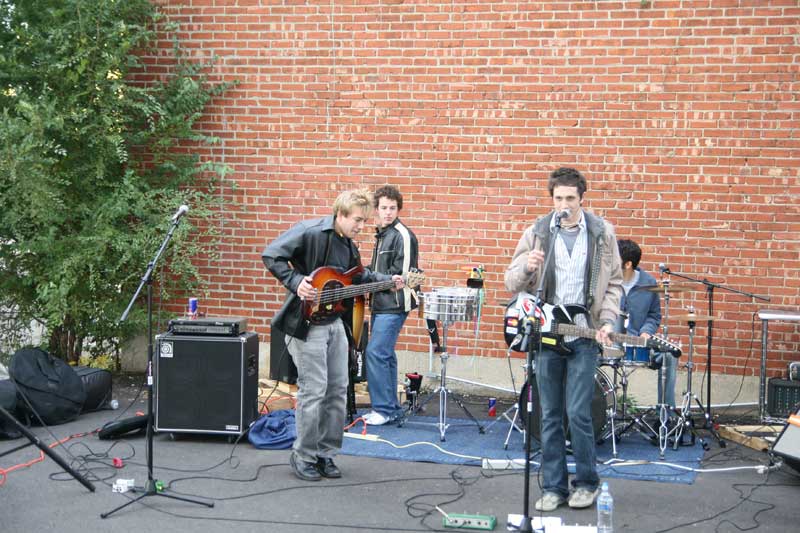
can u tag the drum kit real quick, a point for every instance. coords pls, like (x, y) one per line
(610, 416)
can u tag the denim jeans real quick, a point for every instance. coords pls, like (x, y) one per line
(382, 363)
(669, 367)
(567, 382)
(321, 362)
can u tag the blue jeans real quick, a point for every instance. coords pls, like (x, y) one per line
(382, 363)
(567, 382)
(322, 378)
(669, 365)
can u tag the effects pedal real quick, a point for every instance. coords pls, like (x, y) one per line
(470, 521)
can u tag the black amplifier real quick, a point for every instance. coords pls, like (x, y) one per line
(214, 326)
(783, 397)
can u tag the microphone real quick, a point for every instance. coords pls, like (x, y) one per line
(663, 268)
(564, 213)
(182, 210)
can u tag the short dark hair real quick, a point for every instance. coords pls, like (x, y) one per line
(566, 177)
(390, 192)
(629, 251)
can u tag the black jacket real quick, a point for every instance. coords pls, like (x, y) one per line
(299, 251)
(396, 251)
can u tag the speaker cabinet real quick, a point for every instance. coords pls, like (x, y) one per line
(783, 397)
(787, 445)
(281, 366)
(206, 384)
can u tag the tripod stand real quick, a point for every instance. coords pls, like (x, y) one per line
(443, 393)
(152, 487)
(34, 441)
(685, 421)
(710, 286)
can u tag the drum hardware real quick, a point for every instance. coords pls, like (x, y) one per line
(664, 287)
(710, 286)
(638, 421)
(447, 305)
(685, 421)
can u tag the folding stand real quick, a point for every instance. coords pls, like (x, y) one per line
(443, 393)
(34, 441)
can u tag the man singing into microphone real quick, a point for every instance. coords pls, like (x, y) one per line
(584, 269)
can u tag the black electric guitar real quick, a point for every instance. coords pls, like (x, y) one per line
(554, 322)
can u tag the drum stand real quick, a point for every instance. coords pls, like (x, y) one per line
(443, 393)
(638, 420)
(685, 421)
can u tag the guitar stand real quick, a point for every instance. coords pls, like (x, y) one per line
(443, 392)
(34, 441)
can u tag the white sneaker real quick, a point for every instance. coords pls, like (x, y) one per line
(374, 418)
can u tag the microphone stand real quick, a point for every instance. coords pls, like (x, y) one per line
(532, 328)
(152, 486)
(710, 286)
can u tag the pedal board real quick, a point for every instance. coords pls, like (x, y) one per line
(470, 521)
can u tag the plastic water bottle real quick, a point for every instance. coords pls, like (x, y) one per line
(605, 510)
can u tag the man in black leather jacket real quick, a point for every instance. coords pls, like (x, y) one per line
(396, 251)
(319, 349)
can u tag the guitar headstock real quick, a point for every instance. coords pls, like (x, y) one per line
(660, 344)
(414, 279)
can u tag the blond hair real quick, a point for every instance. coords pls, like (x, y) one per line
(349, 200)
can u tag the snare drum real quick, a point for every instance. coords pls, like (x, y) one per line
(450, 305)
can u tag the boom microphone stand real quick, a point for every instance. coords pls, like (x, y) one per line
(152, 487)
(532, 328)
(710, 286)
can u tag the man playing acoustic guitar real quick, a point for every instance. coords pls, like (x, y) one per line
(308, 259)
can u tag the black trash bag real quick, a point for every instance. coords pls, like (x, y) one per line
(54, 390)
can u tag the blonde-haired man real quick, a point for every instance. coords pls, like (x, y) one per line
(319, 349)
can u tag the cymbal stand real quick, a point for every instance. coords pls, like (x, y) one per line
(685, 421)
(663, 407)
(443, 393)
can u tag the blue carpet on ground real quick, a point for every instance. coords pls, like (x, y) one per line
(418, 440)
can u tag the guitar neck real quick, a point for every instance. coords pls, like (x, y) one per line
(588, 333)
(351, 291)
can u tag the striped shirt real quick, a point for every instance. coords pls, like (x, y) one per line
(570, 269)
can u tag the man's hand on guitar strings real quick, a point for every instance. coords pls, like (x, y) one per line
(305, 290)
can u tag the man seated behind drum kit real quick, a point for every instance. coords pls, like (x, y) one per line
(643, 307)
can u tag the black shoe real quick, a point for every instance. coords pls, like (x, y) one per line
(304, 470)
(326, 467)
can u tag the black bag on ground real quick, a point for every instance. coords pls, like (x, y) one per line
(97, 383)
(8, 401)
(55, 391)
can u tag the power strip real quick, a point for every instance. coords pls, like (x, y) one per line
(359, 436)
(503, 464)
(470, 521)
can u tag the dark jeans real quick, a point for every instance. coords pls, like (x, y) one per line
(567, 383)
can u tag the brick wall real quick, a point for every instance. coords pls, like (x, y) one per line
(682, 114)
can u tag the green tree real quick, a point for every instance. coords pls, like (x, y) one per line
(91, 165)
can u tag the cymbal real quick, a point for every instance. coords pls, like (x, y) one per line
(672, 288)
(692, 317)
